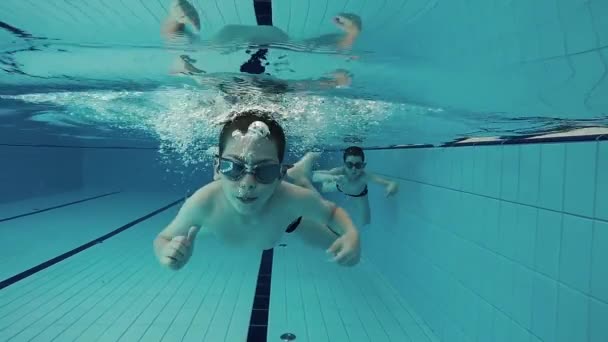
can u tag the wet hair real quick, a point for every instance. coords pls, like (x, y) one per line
(241, 120)
(354, 18)
(354, 151)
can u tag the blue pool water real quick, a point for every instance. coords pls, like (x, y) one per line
(490, 116)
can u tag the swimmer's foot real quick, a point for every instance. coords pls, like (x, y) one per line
(183, 66)
(181, 13)
(351, 24)
(303, 168)
(342, 78)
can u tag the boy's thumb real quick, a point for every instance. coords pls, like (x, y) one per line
(192, 233)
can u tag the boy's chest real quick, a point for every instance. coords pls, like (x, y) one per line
(261, 233)
(353, 186)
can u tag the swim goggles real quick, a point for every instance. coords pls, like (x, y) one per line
(357, 165)
(236, 170)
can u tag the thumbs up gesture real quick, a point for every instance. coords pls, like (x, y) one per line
(177, 252)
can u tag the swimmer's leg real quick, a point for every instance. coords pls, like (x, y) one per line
(301, 172)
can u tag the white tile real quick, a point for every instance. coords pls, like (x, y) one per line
(525, 235)
(544, 307)
(510, 173)
(468, 168)
(575, 257)
(598, 321)
(572, 317)
(548, 240)
(579, 187)
(502, 328)
(529, 171)
(599, 271)
(480, 171)
(523, 281)
(551, 182)
(493, 170)
(508, 229)
(601, 186)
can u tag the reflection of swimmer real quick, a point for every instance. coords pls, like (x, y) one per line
(351, 179)
(241, 86)
(182, 12)
(250, 205)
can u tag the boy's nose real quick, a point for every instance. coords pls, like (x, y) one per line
(248, 182)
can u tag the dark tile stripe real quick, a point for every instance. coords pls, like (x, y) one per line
(502, 141)
(263, 11)
(57, 206)
(258, 324)
(12, 280)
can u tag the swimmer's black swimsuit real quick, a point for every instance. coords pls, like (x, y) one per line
(363, 193)
(293, 225)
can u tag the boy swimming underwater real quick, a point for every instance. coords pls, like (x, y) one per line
(250, 204)
(351, 179)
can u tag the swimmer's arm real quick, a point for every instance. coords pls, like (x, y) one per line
(321, 176)
(379, 180)
(391, 186)
(327, 213)
(192, 213)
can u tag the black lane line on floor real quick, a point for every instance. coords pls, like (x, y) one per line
(258, 324)
(57, 206)
(12, 280)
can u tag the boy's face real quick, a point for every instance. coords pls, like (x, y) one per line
(246, 193)
(353, 166)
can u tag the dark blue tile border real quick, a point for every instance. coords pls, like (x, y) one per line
(258, 324)
(57, 206)
(12, 280)
(525, 140)
(520, 140)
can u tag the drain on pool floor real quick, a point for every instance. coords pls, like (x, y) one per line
(288, 337)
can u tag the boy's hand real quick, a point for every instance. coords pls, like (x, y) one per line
(338, 179)
(346, 249)
(392, 189)
(177, 252)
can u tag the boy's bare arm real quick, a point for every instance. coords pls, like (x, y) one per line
(312, 206)
(182, 230)
(346, 248)
(378, 179)
(391, 186)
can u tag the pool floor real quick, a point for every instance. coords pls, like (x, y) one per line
(114, 290)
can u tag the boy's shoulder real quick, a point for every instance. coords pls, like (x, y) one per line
(206, 195)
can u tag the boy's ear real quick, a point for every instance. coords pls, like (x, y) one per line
(216, 164)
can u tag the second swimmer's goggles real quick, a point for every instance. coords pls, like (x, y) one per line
(236, 170)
